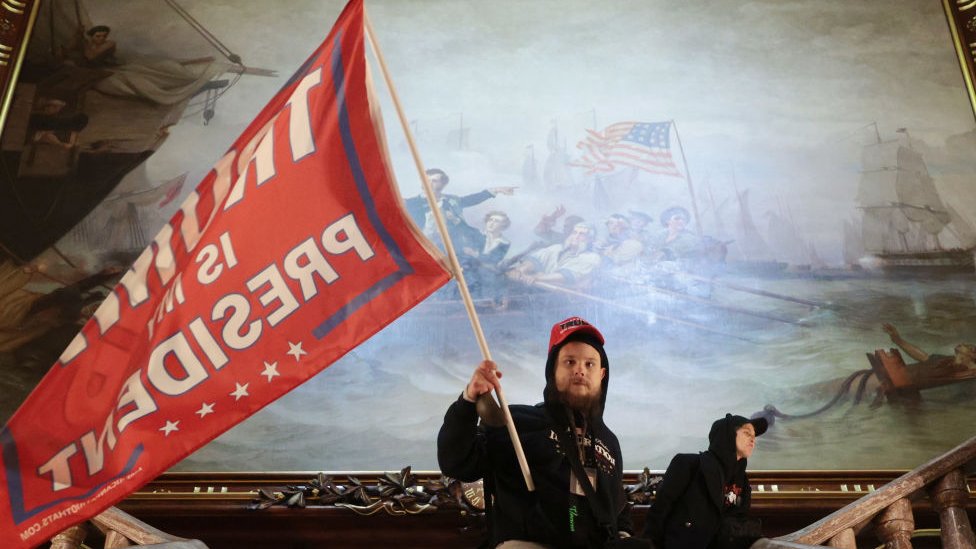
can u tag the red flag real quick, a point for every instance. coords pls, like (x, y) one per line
(291, 252)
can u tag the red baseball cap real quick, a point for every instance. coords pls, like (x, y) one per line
(572, 325)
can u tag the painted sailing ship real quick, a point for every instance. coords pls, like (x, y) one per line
(81, 119)
(903, 217)
(750, 253)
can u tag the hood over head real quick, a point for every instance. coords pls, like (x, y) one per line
(573, 329)
(721, 441)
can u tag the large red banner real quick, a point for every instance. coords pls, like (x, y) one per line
(291, 252)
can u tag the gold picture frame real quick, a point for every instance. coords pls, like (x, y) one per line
(961, 16)
(16, 23)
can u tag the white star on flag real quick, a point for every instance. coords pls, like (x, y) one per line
(205, 408)
(270, 370)
(295, 349)
(240, 391)
(170, 427)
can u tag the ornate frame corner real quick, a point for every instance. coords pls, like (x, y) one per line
(961, 17)
(16, 23)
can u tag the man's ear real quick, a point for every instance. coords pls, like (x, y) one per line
(603, 373)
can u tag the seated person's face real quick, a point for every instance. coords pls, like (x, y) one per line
(677, 222)
(579, 237)
(99, 37)
(745, 441)
(616, 226)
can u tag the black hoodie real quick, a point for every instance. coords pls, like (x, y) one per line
(549, 515)
(699, 489)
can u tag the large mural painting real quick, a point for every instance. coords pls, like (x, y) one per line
(748, 198)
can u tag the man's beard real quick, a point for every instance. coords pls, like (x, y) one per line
(584, 404)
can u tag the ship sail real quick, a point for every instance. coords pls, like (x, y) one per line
(749, 241)
(853, 246)
(162, 81)
(555, 172)
(902, 210)
(964, 231)
(903, 215)
(785, 241)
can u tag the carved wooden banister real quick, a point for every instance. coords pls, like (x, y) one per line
(889, 508)
(123, 530)
(948, 499)
(895, 525)
(780, 544)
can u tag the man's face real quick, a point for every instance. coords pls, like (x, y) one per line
(677, 222)
(494, 224)
(616, 226)
(99, 37)
(580, 237)
(437, 182)
(579, 375)
(745, 441)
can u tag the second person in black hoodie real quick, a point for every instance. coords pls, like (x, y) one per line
(701, 491)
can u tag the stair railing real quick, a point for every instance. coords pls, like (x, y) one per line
(122, 530)
(889, 509)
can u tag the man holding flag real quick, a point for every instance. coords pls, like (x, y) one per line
(291, 252)
(574, 457)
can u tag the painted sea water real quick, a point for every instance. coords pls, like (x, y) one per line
(380, 407)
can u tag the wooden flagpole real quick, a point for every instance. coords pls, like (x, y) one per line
(691, 188)
(449, 247)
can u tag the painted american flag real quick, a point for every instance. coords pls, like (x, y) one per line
(642, 145)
